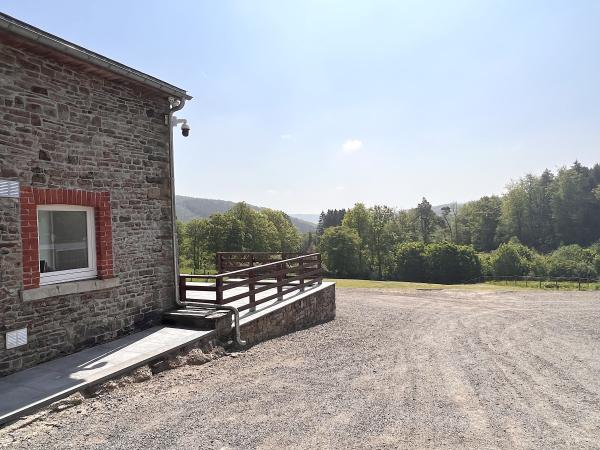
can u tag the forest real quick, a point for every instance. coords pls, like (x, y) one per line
(543, 225)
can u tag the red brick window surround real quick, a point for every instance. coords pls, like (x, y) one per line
(32, 197)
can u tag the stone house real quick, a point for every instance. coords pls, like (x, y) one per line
(86, 197)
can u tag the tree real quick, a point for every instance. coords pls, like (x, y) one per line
(382, 237)
(575, 208)
(180, 235)
(224, 233)
(258, 233)
(332, 218)
(360, 220)
(340, 247)
(527, 213)
(289, 239)
(405, 227)
(426, 220)
(479, 223)
(195, 236)
(449, 213)
(308, 243)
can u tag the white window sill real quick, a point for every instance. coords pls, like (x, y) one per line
(72, 287)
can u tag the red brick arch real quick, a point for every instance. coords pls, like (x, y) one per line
(32, 197)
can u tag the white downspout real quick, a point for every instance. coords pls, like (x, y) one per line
(176, 105)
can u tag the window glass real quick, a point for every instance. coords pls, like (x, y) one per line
(63, 240)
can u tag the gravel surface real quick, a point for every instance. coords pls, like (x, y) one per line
(396, 369)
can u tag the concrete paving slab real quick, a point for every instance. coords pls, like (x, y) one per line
(15, 396)
(25, 391)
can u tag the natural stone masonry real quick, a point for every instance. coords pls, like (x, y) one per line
(66, 126)
(315, 307)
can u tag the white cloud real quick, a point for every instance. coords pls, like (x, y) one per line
(352, 145)
(286, 137)
(272, 191)
(340, 187)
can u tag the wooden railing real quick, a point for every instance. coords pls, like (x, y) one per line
(284, 276)
(230, 261)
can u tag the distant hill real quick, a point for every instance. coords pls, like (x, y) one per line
(438, 208)
(200, 208)
(312, 218)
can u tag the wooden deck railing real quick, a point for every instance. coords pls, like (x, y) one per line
(230, 261)
(285, 276)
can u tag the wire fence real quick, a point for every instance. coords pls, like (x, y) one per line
(540, 282)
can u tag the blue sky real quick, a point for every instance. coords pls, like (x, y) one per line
(309, 105)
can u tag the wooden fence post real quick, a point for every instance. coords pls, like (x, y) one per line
(301, 274)
(252, 286)
(320, 267)
(280, 279)
(219, 290)
(182, 289)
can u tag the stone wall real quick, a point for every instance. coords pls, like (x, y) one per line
(62, 127)
(312, 309)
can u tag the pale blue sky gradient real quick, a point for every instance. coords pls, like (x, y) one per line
(443, 99)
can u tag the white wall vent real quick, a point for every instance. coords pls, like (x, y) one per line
(16, 338)
(9, 188)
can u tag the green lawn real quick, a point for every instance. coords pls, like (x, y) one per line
(547, 285)
(345, 283)
(569, 286)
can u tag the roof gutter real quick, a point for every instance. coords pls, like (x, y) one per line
(27, 31)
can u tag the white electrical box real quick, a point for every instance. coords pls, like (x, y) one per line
(16, 338)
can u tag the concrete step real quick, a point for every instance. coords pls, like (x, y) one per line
(197, 318)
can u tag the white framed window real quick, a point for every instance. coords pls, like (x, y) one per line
(67, 243)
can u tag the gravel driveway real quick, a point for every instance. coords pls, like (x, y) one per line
(396, 369)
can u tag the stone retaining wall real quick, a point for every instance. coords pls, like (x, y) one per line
(312, 309)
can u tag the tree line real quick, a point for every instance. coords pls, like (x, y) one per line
(547, 225)
(239, 229)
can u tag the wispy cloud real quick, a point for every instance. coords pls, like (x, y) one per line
(286, 137)
(352, 146)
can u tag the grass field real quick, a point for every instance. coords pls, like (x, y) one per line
(546, 285)
(565, 286)
(346, 283)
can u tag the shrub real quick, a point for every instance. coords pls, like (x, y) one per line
(539, 265)
(511, 259)
(486, 264)
(451, 263)
(409, 262)
(573, 261)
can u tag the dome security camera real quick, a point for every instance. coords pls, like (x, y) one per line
(185, 129)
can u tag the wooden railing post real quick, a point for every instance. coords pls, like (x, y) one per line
(182, 289)
(251, 287)
(320, 267)
(280, 280)
(301, 273)
(219, 290)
